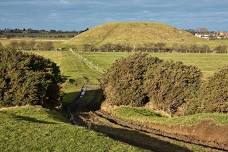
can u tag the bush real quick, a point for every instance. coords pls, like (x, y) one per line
(1, 46)
(122, 84)
(28, 79)
(170, 84)
(214, 93)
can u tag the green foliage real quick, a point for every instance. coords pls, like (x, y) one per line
(214, 95)
(170, 84)
(28, 79)
(123, 82)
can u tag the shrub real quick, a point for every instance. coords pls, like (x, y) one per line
(170, 84)
(28, 79)
(1, 46)
(214, 93)
(122, 84)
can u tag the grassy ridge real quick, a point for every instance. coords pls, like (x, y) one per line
(144, 115)
(37, 129)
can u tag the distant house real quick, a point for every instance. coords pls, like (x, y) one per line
(203, 36)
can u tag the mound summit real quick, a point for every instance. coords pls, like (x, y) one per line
(134, 34)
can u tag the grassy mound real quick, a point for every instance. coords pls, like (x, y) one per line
(133, 34)
(38, 129)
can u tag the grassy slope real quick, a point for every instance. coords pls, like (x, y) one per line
(138, 34)
(37, 129)
(144, 115)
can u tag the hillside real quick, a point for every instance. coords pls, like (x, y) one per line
(38, 129)
(134, 34)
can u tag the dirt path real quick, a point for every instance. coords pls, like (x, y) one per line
(83, 113)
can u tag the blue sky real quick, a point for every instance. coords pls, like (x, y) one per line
(79, 14)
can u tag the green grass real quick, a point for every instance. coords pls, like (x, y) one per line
(208, 63)
(36, 129)
(143, 115)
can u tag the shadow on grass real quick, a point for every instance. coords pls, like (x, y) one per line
(90, 102)
(136, 138)
(26, 118)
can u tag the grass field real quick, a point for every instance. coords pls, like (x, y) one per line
(31, 129)
(208, 63)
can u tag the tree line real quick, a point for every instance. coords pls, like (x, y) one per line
(27, 79)
(29, 45)
(155, 47)
(173, 87)
(11, 33)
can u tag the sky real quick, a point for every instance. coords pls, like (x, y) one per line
(80, 14)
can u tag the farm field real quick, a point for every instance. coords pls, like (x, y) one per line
(37, 129)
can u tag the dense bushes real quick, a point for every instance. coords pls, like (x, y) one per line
(214, 96)
(28, 79)
(123, 82)
(170, 84)
(140, 78)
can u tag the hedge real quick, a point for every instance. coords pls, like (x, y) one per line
(171, 84)
(28, 79)
(122, 84)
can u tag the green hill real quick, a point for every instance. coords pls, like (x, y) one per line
(134, 34)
